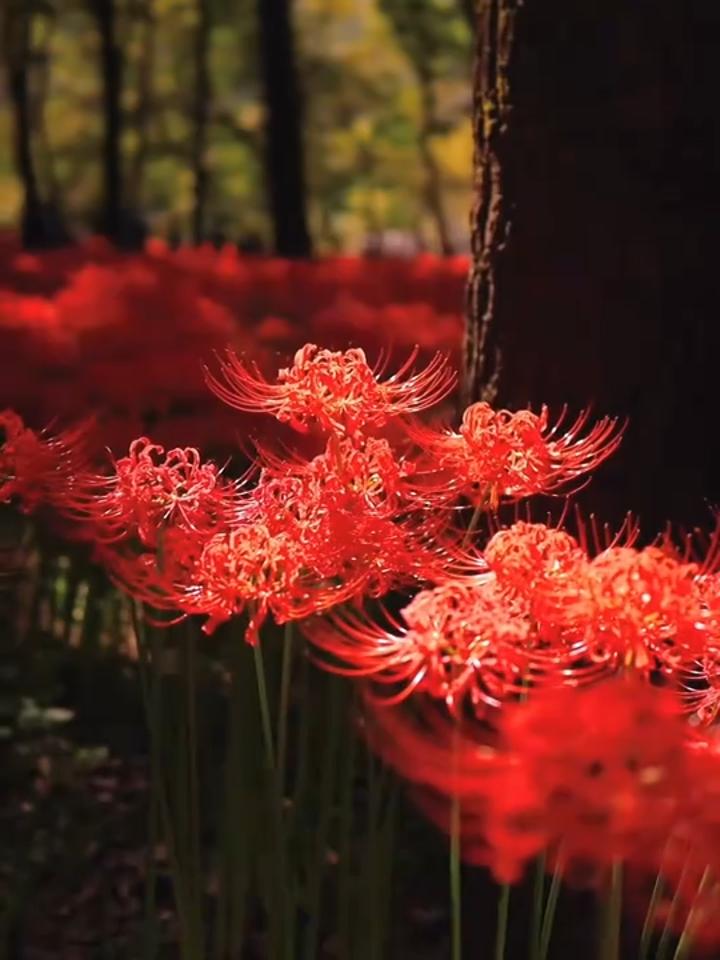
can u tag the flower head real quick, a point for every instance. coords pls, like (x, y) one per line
(460, 641)
(337, 390)
(35, 467)
(496, 454)
(648, 604)
(150, 491)
(545, 565)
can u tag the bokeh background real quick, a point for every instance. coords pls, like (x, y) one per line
(383, 86)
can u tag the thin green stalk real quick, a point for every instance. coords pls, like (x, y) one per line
(664, 943)
(345, 847)
(282, 721)
(455, 864)
(194, 864)
(385, 860)
(503, 909)
(150, 939)
(373, 875)
(151, 690)
(610, 946)
(287, 902)
(682, 951)
(647, 930)
(537, 908)
(327, 782)
(264, 706)
(472, 526)
(303, 738)
(233, 869)
(550, 910)
(455, 881)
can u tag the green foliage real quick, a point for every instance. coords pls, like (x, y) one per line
(362, 64)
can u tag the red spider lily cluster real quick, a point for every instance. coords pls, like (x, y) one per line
(562, 688)
(90, 328)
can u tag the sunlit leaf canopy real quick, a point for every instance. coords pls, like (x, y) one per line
(386, 87)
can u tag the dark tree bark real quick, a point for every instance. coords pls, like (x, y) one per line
(605, 293)
(201, 118)
(43, 59)
(469, 9)
(36, 230)
(490, 216)
(284, 164)
(111, 220)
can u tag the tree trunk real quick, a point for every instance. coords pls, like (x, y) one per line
(201, 112)
(489, 221)
(469, 10)
(605, 291)
(111, 220)
(284, 164)
(16, 43)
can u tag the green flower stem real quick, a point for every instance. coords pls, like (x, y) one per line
(537, 908)
(194, 859)
(610, 946)
(327, 784)
(647, 930)
(472, 526)
(264, 706)
(286, 900)
(682, 951)
(664, 943)
(503, 910)
(455, 880)
(345, 848)
(151, 689)
(282, 721)
(550, 910)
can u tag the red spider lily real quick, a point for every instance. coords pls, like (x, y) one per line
(250, 568)
(432, 750)
(337, 390)
(36, 468)
(649, 605)
(294, 554)
(593, 775)
(498, 455)
(699, 676)
(370, 545)
(150, 491)
(365, 473)
(600, 772)
(699, 682)
(690, 866)
(546, 566)
(460, 641)
(154, 577)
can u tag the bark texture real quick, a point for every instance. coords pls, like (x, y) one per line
(597, 135)
(284, 154)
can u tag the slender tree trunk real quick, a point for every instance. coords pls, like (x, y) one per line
(201, 112)
(16, 42)
(284, 161)
(469, 9)
(433, 183)
(490, 216)
(146, 71)
(47, 157)
(111, 222)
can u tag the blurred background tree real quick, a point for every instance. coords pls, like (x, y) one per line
(204, 119)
